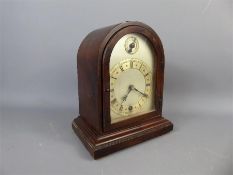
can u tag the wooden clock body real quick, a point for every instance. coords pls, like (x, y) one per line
(93, 125)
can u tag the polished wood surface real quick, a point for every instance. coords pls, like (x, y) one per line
(93, 124)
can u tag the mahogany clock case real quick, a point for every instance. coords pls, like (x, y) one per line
(93, 125)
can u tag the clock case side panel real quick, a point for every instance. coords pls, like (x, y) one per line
(90, 79)
(123, 29)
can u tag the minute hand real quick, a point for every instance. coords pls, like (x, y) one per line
(145, 95)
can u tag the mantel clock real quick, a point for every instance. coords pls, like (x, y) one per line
(120, 87)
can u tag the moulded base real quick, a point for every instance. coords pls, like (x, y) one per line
(100, 145)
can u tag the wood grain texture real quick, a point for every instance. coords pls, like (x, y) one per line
(102, 145)
(93, 126)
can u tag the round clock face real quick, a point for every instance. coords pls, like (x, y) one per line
(130, 86)
(131, 78)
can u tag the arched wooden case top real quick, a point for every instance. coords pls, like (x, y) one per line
(94, 125)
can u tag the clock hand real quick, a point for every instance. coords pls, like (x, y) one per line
(145, 95)
(131, 46)
(130, 88)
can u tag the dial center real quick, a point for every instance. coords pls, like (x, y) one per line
(124, 84)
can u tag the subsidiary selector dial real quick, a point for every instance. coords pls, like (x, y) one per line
(131, 45)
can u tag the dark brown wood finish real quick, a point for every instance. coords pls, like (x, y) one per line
(93, 126)
(90, 78)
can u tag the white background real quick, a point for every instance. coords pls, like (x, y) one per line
(39, 95)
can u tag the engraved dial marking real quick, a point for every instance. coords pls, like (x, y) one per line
(129, 100)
